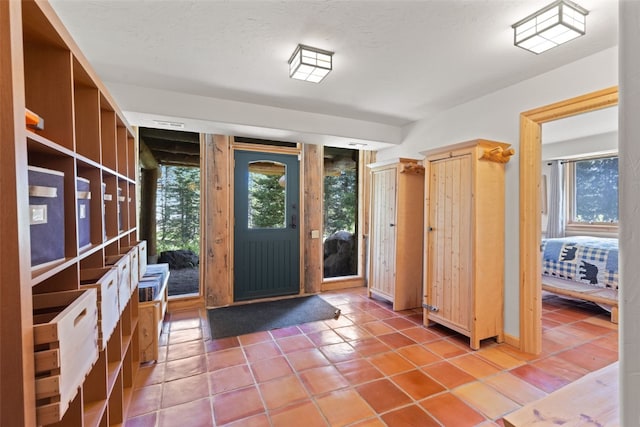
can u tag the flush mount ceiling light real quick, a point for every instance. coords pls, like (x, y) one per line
(310, 64)
(551, 26)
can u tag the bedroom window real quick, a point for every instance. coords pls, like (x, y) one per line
(593, 191)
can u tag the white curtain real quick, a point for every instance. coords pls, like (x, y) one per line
(555, 207)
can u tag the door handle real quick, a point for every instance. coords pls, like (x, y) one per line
(293, 221)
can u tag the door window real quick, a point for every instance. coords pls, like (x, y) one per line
(266, 192)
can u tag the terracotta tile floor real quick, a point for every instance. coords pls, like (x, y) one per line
(371, 367)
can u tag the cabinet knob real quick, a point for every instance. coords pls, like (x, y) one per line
(430, 229)
(392, 225)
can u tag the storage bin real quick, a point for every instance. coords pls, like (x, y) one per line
(142, 257)
(148, 287)
(161, 269)
(46, 215)
(65, 335)
(121, 263)
(105, 282)
(84, 222)
(120, 210)
(106, 198)
(134, 266)
(141, 247)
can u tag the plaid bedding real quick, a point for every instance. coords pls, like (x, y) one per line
(584, 259)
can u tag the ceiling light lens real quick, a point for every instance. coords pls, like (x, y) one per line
(551, 26)
(310, 64)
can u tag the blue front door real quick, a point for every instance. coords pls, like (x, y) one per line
(267, 237)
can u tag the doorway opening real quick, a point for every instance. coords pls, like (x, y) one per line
(530, 340)
(170, 205)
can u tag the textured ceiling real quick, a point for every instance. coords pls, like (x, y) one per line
(395, 61)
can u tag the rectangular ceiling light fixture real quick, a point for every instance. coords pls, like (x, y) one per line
(551, 26)
(310, 64)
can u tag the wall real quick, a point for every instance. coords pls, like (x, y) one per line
(629, 208)
(606, 142)
(496, 117)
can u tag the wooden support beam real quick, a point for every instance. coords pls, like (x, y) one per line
(178, 159)
(148, 192)
(312, 199)
(170, 135)
(147, 159)
(216, 259)
(172, 146)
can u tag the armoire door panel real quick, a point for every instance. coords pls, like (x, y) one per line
(450, 194)
(383, 237)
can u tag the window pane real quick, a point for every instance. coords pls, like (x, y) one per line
(340, 212)
(267, 184)
(596, 190)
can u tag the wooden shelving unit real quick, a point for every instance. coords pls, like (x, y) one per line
(84, 136)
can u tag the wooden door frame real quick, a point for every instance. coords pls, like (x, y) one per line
(269, 149)
(275, 150)
(530, 219)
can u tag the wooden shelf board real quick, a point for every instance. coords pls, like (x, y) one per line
(40, 144)
(126, 341)
(38, 275)
(113, 369)
(89, 250)
(127, 392)
(93, 412)
(87, 162)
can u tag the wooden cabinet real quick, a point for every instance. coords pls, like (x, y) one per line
(395, 238)
(464, 238)
(83, 374)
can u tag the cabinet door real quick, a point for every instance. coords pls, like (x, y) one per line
(383, 234)
(449, 275)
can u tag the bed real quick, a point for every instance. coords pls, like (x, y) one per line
(582, 267)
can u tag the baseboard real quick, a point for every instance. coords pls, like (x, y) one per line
(512, 341)
(185, 303)
(334, 284)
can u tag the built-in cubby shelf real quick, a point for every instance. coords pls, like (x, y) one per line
(84, 141)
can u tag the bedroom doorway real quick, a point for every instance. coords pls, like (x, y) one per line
(530, 205)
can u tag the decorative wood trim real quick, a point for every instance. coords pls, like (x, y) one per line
(312, 203)
(216, 211)
(266, 148)
(530, 221)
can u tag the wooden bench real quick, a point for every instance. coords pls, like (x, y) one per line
(591, 400)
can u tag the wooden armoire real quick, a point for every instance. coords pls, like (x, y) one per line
(395, 240)
(464, 238)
